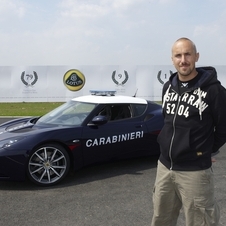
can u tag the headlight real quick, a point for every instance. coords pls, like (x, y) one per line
(9, 142)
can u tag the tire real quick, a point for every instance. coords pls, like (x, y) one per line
(48, 165)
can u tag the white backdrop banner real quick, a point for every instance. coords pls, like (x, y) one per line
(61, 83)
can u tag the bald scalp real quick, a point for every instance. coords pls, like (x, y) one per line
(185, 39)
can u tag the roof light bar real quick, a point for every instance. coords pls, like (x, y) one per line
(103, 92)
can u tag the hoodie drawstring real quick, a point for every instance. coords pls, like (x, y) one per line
(165, 96)
(200, 103)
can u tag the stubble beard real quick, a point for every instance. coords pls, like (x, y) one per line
(186, 73)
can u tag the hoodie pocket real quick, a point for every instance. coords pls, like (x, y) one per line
(176, 143)
(164, 139)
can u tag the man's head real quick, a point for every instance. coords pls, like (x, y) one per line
(184, 57)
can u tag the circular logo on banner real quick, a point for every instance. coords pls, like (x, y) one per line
(29, 79)
(74, 80)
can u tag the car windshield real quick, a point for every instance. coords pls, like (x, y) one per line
(71, 113)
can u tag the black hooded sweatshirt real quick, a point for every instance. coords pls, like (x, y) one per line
(194, 121)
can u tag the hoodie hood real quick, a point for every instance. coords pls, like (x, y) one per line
(208, 77)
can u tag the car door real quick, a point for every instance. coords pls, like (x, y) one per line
(118, 138)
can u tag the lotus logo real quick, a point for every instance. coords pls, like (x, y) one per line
(74, 80)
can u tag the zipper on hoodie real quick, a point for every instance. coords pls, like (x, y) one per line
(174, 131)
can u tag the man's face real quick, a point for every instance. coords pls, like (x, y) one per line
(184, 57)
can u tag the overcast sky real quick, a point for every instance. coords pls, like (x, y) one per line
(109, 32)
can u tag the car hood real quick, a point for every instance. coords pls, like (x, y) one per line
(17, 124)
(25, 126)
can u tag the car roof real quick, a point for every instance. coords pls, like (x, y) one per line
(99, 99)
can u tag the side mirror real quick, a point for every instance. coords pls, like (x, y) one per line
(99, 120)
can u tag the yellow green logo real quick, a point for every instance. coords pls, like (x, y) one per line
(74, 80)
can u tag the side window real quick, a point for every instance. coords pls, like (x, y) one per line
(138, 109)
(116, 111)
(121, 111)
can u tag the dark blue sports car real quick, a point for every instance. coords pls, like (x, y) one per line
(88, 129)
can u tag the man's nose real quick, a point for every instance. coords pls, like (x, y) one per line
(183, 58)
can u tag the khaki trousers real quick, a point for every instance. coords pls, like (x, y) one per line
(194, 190)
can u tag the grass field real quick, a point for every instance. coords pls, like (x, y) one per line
(27, 108)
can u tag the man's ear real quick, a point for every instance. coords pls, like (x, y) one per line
(197, 57)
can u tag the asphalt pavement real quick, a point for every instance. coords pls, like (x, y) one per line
(112, 194)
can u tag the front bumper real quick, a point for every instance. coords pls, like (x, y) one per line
(13, 167)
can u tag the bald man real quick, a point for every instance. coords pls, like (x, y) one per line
(193, 102)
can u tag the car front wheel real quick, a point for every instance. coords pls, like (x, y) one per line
(48, 165)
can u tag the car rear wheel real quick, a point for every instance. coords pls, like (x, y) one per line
(48, 165)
